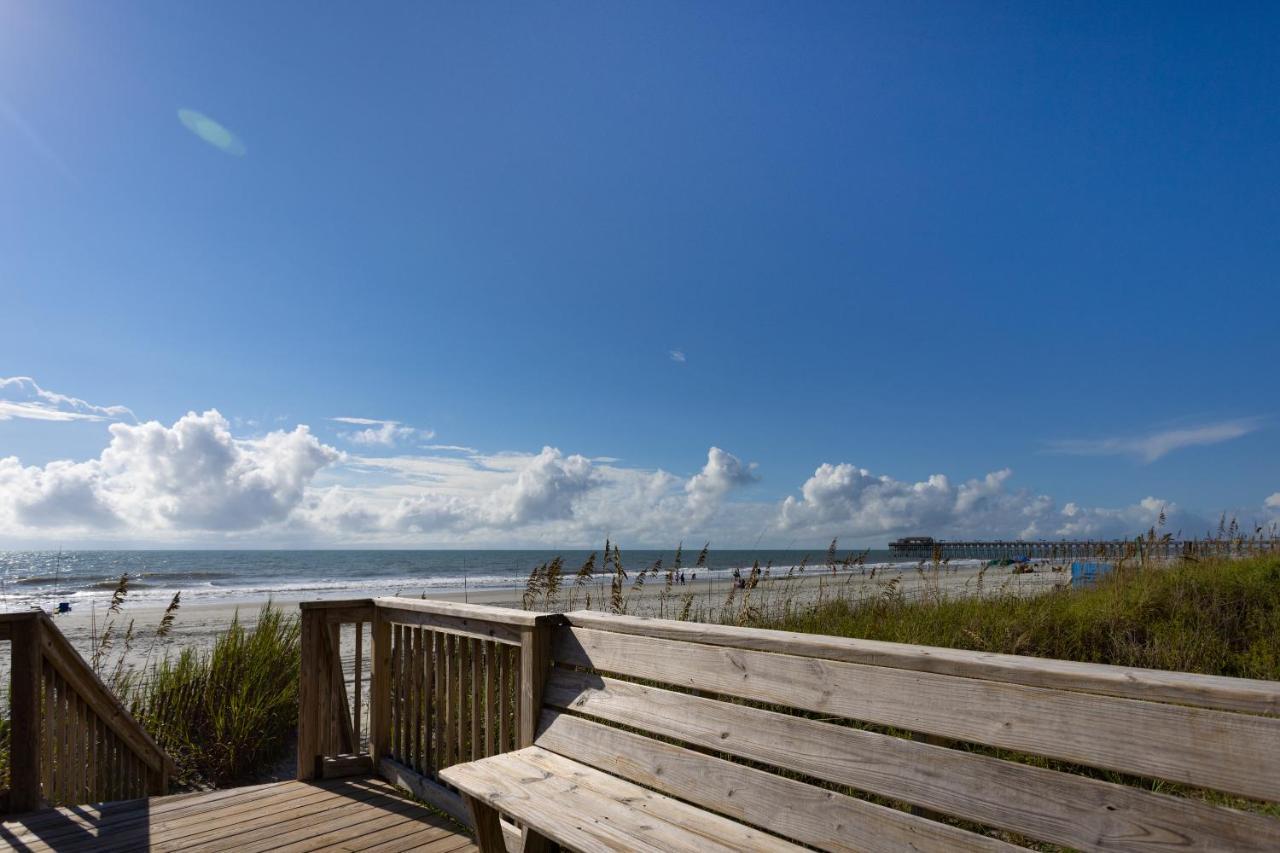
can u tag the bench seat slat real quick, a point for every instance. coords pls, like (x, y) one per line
(1169, 742)
(1062, 808)
(585, 809)
(825, 819)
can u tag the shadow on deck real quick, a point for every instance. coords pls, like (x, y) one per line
(342, 814)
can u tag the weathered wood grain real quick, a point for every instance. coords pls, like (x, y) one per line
(801, 812)
(1062, 808)
(1205, 691)
(1231, 752)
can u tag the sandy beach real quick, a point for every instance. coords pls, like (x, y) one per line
(198, 623)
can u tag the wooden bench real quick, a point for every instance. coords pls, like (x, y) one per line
(662, 735)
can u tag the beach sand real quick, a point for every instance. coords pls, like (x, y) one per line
(198, 624)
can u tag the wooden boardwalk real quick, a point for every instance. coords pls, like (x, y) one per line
(340, 814)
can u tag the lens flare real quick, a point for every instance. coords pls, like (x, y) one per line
(212, 132)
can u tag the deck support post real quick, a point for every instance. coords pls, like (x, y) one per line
(24, 710)
(309, 698)
(535, 664)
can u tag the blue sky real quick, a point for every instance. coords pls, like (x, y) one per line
(1016, 240)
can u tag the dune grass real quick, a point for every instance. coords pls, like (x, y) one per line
(227, 713)
(1215, 616)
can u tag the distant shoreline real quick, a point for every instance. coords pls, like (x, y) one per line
(198, 624)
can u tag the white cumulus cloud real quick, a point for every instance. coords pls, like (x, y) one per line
(852, 501)
(157, 479)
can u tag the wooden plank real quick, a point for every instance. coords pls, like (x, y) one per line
(429, 744)
(441, 677)
(458, 626)
(450, 698)
(586, 809)
(472, 612)
(1153, 685)
(78, 743)
(86, 684)
(24, 716)
(62, 716)
(190, 828)
(419, 826)
(55, 824)
(476, 697)
(504, 698)
(425, 789)
(47, 730)
(464, 695)
(337, 604)
(423, 842)
(1174, 743)
(309, 719)
(1061, 808)
(535, 659)
(357, 683)
(341, 814)
(380, 689)
(415, 759)
(801, 812)
(304, 816)
(395, 814)
(397, 706)
(490, 698)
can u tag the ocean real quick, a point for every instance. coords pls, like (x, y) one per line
(44, 578)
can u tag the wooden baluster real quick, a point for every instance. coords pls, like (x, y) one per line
(490, 696)
(428, 701)
(464, 693)
(441, 678)
(476, 697)
(397, 709)
(504, 678)
(379, 688)
(90, 755)
(359, 664)
(99, 729)
(64, 742)
(450, 699)
(421, 701)
(46, 734)
(75, 746)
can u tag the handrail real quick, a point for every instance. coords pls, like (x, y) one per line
(72, 740)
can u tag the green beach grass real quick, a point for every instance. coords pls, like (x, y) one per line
(1215, 616)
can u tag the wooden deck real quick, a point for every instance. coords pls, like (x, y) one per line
(341, 814)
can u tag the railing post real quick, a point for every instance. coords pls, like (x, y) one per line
(309, 734)
(535, 662)
(24, 709)
(380, 689)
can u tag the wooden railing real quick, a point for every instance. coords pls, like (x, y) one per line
(405, 687)
(70, 739)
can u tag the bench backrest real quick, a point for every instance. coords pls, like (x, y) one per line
(959, 750)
